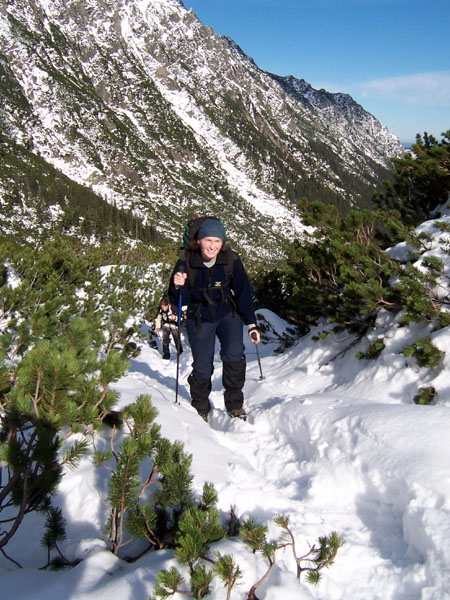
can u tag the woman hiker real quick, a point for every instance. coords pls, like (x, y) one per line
(215, 287)
(166, 321)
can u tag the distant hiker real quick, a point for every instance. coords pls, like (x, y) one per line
(166, 321)
(215, 287)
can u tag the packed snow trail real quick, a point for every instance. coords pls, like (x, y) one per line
(331, 460)
(336, 444)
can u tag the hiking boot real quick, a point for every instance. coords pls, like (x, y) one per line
(166, 356)
(238, 413)
(200, 389)
(204, 414)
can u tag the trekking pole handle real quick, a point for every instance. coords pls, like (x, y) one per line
(180, 270)
(253, 333)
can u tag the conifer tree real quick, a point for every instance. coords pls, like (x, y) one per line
(169, 583)
(61, 346)
(341, 273)
(227, 571)
(197, 529)
(317, 558)
(148, 508)
(55, 532)
(421, 180)
(125, 485)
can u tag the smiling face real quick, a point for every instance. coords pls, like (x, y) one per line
(210, 247)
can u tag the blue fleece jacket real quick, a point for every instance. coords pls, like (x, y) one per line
(238, 288)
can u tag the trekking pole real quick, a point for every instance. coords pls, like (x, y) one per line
(181, 270)
(253, 336)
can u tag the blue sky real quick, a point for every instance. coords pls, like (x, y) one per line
(392, 56)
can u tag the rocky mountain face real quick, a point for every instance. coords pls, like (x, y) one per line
(136, 106)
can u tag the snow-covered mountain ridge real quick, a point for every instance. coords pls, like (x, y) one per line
(154, 112)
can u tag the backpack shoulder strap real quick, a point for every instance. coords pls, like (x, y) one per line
(232, 257)
(189, 269)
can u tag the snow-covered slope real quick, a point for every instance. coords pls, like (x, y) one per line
(335, 443)
(160, 116)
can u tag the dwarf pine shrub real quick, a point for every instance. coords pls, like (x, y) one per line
(421, 180)
(197, 532)
(64, 339)
(373, 350)
(425, 396)
(147, 508)
(55, 532)
(425, 352)
(340, 273)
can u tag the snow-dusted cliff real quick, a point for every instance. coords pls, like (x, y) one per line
(155, 113)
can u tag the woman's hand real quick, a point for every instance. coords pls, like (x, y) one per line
(179, 279)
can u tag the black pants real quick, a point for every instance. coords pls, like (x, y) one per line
(167, 330)
(229, 331)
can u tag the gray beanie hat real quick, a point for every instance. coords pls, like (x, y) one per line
(212, 228)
